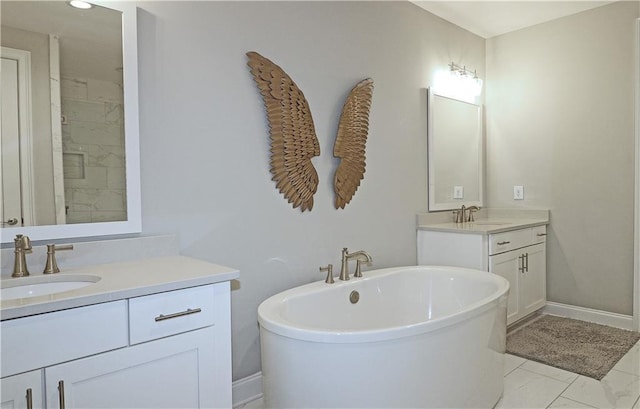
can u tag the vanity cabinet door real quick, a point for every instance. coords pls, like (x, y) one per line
(533, 282)
(507, 265)
(173, 372)
(22, 391)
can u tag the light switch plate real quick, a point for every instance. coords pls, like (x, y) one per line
(458, 192)
(518, 193)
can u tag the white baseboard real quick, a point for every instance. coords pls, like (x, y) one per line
(587, 314)
(247, 389)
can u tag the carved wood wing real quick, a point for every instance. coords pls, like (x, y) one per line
(350, 142)
(293, 135)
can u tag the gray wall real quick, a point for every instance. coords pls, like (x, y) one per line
(205, 144)
(560, 121)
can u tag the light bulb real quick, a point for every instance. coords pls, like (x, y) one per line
(79, 4)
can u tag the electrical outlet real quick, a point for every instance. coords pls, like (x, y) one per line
(518, 193)
(458, 192)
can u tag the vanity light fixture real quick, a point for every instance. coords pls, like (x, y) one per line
(79, 4)
(467, 77)
(458, 82)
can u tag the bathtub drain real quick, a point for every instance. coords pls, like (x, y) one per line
(354, 297)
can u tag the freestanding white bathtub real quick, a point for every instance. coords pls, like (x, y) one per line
(418, 337)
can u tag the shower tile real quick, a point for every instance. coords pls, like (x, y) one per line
(551, 372)
(511, 362)
(616, 390)
(568, 404)
(524, 389)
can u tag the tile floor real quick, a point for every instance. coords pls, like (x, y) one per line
(530, 385)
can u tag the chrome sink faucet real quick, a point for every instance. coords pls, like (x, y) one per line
(22, 244)
(472, 210)
(51, 267)
(361, 256)
(461, 214)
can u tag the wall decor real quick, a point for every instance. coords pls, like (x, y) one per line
(293, 135)
(350, 142)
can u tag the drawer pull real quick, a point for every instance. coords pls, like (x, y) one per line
(29, 399)
(542, 234)
(502, 243)
(61, 394)
(189, 311)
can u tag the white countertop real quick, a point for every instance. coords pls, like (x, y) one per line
(120, 281)
(484, 226)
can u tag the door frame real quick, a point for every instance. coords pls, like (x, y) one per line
(636, 234)
(26, 141)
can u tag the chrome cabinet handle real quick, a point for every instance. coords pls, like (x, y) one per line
(521, 263)
(189, 311)
(61, 394)
(542, 234)
(29, 399)
(501, 243)
(526, 258)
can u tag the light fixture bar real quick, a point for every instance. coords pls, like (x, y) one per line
(462, 70)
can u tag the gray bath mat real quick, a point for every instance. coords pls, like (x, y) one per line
(577, 346)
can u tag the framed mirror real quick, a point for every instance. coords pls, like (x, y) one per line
(455, 153)
(71, 120)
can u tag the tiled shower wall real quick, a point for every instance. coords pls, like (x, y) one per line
(93, 150)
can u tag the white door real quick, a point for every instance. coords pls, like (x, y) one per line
(16, 194)
(173, 372)
(10, 194)
(22, 391)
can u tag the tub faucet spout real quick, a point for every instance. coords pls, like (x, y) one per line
(360, 256)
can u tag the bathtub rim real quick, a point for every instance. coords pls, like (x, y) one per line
(281, 327)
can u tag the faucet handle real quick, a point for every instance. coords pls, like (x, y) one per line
(472, 210)
(51, 267)
(329, 270)
(359, 262)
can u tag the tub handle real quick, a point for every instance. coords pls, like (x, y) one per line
(502, 243)
(329, 270)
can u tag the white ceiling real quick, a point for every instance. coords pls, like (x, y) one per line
(491, 18)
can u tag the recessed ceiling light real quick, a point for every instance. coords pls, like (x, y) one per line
(79, 4)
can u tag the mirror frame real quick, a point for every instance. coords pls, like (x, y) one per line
(440, 206)
(133, 224)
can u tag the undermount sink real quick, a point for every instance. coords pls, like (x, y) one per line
(27, 287)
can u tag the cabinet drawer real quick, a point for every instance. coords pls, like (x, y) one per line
(160, 315)
(539, 234)
(501, 242)
(42, 340)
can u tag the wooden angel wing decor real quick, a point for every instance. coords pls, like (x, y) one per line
(293, 136)
(350, 142)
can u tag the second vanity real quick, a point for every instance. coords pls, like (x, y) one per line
(150, 333)
(510, 244)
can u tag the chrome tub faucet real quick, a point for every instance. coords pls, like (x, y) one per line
(361, 256)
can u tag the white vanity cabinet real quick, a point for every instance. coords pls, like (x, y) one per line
(519, 255)
(165, 350)
(521, 259)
